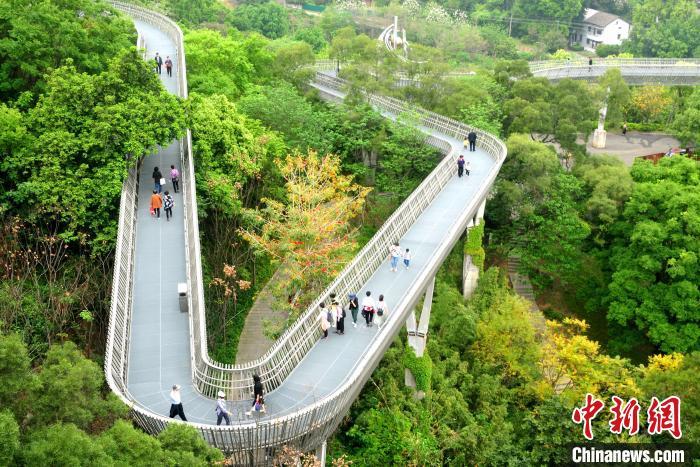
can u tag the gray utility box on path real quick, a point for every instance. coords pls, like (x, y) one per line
(182, 296)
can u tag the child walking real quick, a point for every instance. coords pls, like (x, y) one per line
(406, 257)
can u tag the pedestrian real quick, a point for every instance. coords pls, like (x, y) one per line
(331, 317)
(156, 204)
(468, 167)
(169, 66)
(339, 315)
(368, 308)
(472, 141)
(159, 62)
(460, 166)
(624, 128)
(382, 311)
(158, 180)
(590, 64)
(354, 306)
(407, 258)
(221, 412)
(257, 394)
(465, 143)
(394, 253)
(175, 178)
(325, 318)
(168, 204)
(176, 403)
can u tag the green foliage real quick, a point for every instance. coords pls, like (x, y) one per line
(283, 109)
(473, 246)
(655, 280)
(618, 96)
(232, 152)
(9, 436)
(184, 444)
(86, 131)
(65, 373)
(664, 29)
(221, 65)
(193, 11)
(603, 50)
(686, 125)
(269, 19)
(291, 60)
(551, 112)
(15, 374)
(36, 37)
(420, 367)
(127, 446)
(312, 36)
(63, 445)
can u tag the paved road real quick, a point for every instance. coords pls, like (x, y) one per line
(634, 144)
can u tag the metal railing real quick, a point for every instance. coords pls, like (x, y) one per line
(682, 71)
(310, 425)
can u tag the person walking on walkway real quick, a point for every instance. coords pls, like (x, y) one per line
(169, 66)
(332, 320)
(156, 204)
(168, 204)
(468, 167)
(325, 318)
(175, 178)
(159, 62)
(590, 64)
(460, 166)
(624, 129)
(368, 308)
(221, 412)
(472, 141)
(257, 393)
(407, 258)
(394, 253)
(157, 179)
(382, 311)
(339, 315)
(354, 306)
(176, 403)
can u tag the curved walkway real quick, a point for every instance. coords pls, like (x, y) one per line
(159, 353)
(151, 345)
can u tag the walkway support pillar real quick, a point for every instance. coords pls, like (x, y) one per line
(418, 335)
(470, 272)
(321, 453)
(600, 135)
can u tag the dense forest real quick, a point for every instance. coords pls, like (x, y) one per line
(611, 250)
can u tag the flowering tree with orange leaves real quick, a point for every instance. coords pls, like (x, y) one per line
(309, 233)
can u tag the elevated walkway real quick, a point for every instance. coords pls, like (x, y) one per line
(310, 383)
(666, 71)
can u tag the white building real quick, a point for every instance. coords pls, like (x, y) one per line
(598, 28)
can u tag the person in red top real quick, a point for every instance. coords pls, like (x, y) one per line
(169, 66)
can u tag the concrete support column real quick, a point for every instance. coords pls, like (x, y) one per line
(470, 277)
(418, 335)
(321, 453)
(480, 213)
(600, 135)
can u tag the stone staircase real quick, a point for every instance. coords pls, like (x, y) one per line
(522, 286)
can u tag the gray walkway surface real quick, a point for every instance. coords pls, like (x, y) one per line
(160, 352)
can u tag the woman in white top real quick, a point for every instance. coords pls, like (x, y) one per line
(221, 412)
(176, 403)
(323, 316)
(382, 311)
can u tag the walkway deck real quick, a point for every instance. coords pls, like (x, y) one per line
(160, 352)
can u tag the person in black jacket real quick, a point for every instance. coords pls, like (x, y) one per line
(156, 179)
(472, 141)
(257, 392)
(159, 62)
